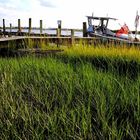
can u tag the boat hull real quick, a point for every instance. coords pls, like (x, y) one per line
(114, 40)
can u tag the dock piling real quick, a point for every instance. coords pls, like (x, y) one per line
(4, 27)
(41, 26)
(84, 29)
(59, 22)
(72, 36)
(19, 26)
(58, 32)
(30, 25)
(10, 29)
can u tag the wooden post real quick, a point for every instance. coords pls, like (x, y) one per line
(19, 26)
(4, 27)
(59, 22)
(10, 30)
(10, 27)
(72, 36)
(84, 29)
(30, 25)
(41, 26)
(58, 32)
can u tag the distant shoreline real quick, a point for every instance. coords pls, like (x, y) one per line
(64, 29)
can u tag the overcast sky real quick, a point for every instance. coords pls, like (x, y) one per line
(71, 12)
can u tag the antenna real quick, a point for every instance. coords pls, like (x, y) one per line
(136, 23)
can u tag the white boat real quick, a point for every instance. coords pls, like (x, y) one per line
(101, 31)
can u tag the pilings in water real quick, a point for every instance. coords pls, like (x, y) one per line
(28, 31)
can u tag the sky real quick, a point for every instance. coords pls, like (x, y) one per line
(71, 12)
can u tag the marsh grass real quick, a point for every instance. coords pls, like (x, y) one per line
(45, 98)
(78, 94)
(120, 60)
(124, 52)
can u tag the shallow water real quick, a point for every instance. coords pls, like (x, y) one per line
(49, 31)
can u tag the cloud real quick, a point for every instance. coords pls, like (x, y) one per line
(71, 12)
(18, 5)
(46, 3)
(7, 5)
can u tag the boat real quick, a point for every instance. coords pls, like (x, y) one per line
(101, 31)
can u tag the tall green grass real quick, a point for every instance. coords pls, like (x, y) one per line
(120, 60)
(46, 98)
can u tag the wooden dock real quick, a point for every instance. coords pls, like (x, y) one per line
(22, 45)
(24, 41)
(20, 39)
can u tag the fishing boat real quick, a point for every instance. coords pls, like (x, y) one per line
(101, 31)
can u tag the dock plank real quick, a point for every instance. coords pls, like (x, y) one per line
(5, 39)
(38, 37)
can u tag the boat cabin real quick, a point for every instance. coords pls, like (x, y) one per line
(99, 25)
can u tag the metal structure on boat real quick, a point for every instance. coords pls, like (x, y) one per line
(102, 31)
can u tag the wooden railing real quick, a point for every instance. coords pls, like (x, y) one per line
(19, 30)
